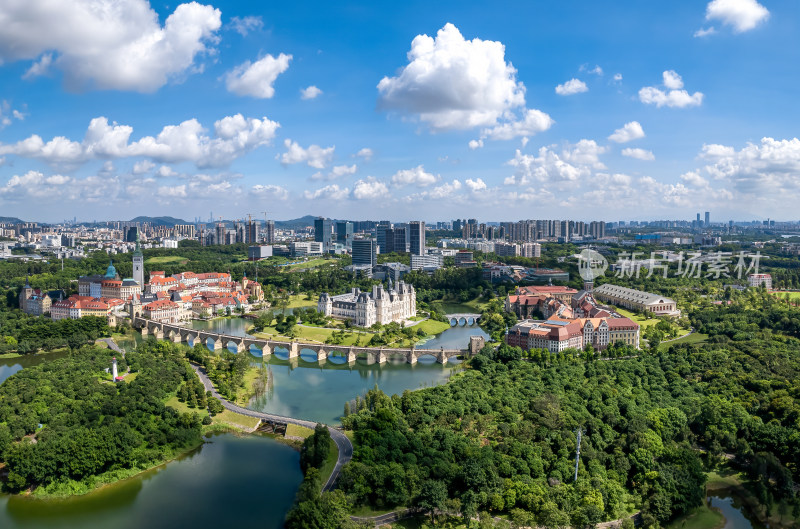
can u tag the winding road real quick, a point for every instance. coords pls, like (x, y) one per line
(342, 442)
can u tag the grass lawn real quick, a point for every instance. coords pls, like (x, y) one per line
(250, 376)
(294, 430)
(299, 300)
(793, 296)
(167, 259)
(226, 418)
(701, 517)
(432, 327)
(312, 263)
(647, 322)
(695, 338)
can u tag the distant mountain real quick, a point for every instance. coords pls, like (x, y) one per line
(293, 224)
(12, 220)
(160, 221)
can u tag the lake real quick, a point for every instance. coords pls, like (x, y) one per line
(248, 480)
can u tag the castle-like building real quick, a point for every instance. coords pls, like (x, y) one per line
(367, 308)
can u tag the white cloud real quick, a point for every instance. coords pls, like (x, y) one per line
(107, 44)
(144, 166)
(629, 132)
(672, 80)
(330, 192)
(597, 70)
(245, 25)
(533, 121)
(475, 185)
(416, 176)
(585, 152)
(186, 142)
(271, 191)
(673, 96)
(704, 32)
(365, 153)
(639, 154)
(769, 167)
(166, 171)
(693, 178)
(369, 189)
(256, 79)
(573, 86)
(310, 92)
(443, 191)
(453, 83)
(8, 114)
(548, 167)
(315, 156)
(742, 15)
(475, 144)
(40, 67)
(337, 171)
(617, 77)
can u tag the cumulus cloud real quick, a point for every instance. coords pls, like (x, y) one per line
(107, 44)
(617, 77)
(597, 70)
(310, 92)
(475, 185)
(532, 122)
(548, 166)
(674, 96)
(573, 86)
(330, 192)
(370, 188)
(315, 156)
(639, 154)
(270, 191)
(337, 171)
(741, 15)
(416, 176)
(245, 25)
(9, 114)
(454, 83)
(629, 132)
(256, 79)
(186, 142)
(365, 153)
(475, 144)
(770, 166)
(143, 166)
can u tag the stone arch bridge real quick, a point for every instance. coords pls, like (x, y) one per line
(463, 319)
(379, 355)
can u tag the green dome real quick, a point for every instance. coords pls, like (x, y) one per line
(111, 272)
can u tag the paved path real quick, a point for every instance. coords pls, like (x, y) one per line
(342, 442)
(113, 345)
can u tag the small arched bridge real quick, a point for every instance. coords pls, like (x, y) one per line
(379, 355)
(463, 319)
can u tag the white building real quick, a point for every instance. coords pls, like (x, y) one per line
(531, 250)
(430, 261)
(756, 280)
(365, 309)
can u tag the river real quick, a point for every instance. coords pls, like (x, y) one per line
(9, 366)
(733, 512)
(305, 389)
(246, 481)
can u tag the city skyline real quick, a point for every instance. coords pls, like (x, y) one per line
(400, 112)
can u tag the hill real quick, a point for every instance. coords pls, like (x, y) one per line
(160, 221)
(12, 220)
(293, 224)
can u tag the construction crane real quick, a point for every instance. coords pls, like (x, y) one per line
(578, 453)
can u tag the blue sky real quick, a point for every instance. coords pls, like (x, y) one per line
(575, 109)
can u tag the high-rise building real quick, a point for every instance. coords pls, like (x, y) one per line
(219, 235)
(364, 252)
(138, 265)
(417, 237)
(251, 235)
(708, 219)
(698, 220)
(323, 232)
(269, 231)
(381, 235)
(597, 229)
(399, 239)
(132, 234)
(344, 233)
(240, 233)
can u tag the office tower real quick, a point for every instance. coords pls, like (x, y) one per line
(698, 220)
(364, 252)
(344, 233)
(323, 232)
(708, 219)
(380, 235)
(399, 239)
(132, 235)
(269, 232)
